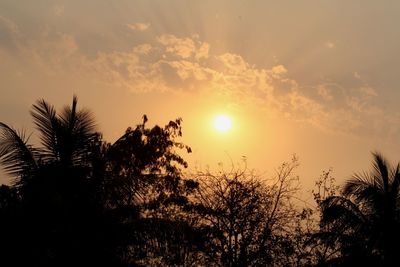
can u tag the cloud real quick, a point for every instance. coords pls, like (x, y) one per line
(143, 49)
(8, 25)
(234, 64)
(138, 26)
(361, 99)
(357, 75)
(279, 70)
(9, 34)
(186, 65)
(329, 45)
(325, 92)
(58, 10)
(368, 91)
(53, 52)
(184, 47)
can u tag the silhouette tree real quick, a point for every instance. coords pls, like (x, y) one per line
(10, 218)
(77, 198)
(322, 241)
(146, 189)
(365, 219)
(143, 160)
(247, 222)
(60, 216)
(65, 139)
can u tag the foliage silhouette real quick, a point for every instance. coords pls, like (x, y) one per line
(247, 221)
(364, 220)
(60, 220)
(79, 200)
(145, 187)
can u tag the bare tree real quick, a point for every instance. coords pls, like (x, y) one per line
(247, 219)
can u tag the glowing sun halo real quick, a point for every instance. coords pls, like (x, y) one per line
(222, 123)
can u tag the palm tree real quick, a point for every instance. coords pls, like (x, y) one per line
(61, 163)
(53, 180)
(58, 183)
(17, 157)
(365, 219)
(65, 140)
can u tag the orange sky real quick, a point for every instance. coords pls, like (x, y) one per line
(314, 78)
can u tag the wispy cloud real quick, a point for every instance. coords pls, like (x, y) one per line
(325, 92)
(329, 45)
(184, 47)
(187, 65)
(9, 34)
(58, 10)
(8, 26)
(138, 26)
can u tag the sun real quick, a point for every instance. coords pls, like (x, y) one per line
(222, 123)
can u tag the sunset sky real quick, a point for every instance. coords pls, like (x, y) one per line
(318, 78)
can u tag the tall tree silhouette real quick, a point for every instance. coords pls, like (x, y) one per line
(60, 213)
(145, 187)
(65, 140)
(365, 218)
(65, 137)
(77, 199)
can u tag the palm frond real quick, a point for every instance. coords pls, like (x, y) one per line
(46, 121)
(358, 183)
(68, 115)
(342, 214)
(395, 173)
(78, 130)
(364, 190)
(16, 156)
(85, 123)
(381, 170)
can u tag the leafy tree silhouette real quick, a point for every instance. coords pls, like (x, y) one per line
(364, 221)
(146, 189)
(79, 199)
